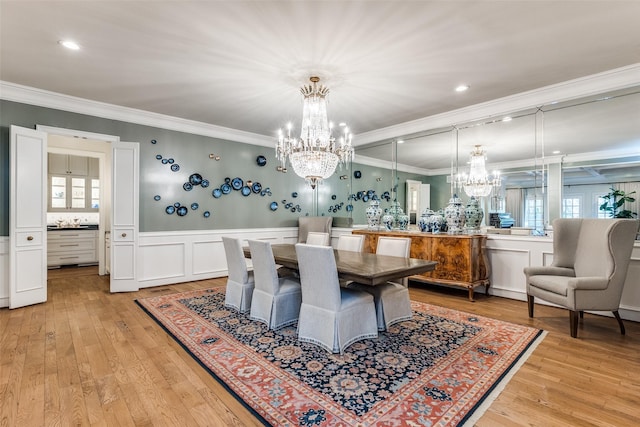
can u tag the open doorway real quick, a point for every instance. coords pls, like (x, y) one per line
(93, 225)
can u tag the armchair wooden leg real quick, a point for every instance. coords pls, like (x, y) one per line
(530, 299)
(622, 331)
(573, 323)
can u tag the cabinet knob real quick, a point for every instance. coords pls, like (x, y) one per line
(124, 234)
(29, 238)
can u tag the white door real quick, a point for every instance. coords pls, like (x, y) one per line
(27, 217)
(124, 216)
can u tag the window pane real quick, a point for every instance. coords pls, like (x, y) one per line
(58, 192)
(77, 193)
(95, 193)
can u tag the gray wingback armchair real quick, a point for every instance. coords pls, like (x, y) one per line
(589, 268)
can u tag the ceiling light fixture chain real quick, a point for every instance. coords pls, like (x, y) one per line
(315, 155)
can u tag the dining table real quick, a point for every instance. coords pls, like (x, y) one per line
(361, 267)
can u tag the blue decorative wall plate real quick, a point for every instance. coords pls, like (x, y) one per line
(195, 179)
(216, 193)
(357, 174)
(156, 197)
(204, 183)
(170, 210)
(261, 160)
(194, 206)
(175, 167)
(237, 183)
(187, 186)
(246, 191)
(226, 188)
(206, 214)
(256, 187)
(273, 206)
(182, 211)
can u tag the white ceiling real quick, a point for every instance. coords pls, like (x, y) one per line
(239, 64)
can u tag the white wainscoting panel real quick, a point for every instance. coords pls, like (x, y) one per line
(183, 256)
(4, 271)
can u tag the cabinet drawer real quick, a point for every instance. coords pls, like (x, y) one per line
(66, 258)
(72, 245)
(72, 235)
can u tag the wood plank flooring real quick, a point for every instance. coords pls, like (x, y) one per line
(87, 357)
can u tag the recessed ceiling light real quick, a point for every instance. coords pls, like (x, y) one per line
(507, 119)
(69, 44)
(400, 141)
(462, 88)
(555, 152)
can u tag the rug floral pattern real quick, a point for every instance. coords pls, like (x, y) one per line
(432, 370)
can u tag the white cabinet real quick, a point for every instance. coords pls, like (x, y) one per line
(65, 164)
(71, 246)
(74, 183)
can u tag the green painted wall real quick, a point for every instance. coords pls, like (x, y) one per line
(191, 153)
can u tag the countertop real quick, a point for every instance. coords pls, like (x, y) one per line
(80, 227)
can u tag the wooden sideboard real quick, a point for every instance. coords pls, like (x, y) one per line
(462, 259)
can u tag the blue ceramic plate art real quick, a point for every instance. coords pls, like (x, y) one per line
(153, 141)
(182, 211)
(273, 206)
(246, 191)
(261, 160)
(216, 193)
(170, 210)
(195, 179)
(294, 194)
(187, 186)
(256, 187)
(156, 197)
(158, 156)
(206, 214)
(237, 183)
(204, 183)
(194, 206)
(226, 188)
(357, 174)
(175, 167)
(176, 205)
(165, 161)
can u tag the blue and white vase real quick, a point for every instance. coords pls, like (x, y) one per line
(388, 221)
(454, 215)
(424, 221)
(436, 222)
(373, 215)
(473, 216)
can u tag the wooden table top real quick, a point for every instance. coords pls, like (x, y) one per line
(366, 268)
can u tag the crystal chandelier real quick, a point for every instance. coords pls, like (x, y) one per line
(315, 155)
(478, 183)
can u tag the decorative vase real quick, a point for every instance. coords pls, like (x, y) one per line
(373, 215)
(388, 220)
(454, 215)
(436, 222)
(402, 221)
(473, 216)
(424, 221)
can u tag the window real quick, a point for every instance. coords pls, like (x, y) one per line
(73, 193)
(95, 193)
(601, 214)
(571, 207)
(533, 211)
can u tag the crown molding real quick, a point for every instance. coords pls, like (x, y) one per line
(387, 164)
(619, 78)
(42, 98)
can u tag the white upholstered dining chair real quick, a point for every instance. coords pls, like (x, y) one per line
(350, 242)
(276, 300)
(240, 283)
(319, 239)
(392, 301)
(330, 316)
(320, 224)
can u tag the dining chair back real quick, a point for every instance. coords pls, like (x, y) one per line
(240, 283)
(391, 299)
(330, 316)
(319, 239)
(350, 242)
(321, 224)
(276, 300)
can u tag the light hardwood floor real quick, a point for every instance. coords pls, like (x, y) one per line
(88, 357)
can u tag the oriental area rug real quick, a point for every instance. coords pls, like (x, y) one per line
(443, 367)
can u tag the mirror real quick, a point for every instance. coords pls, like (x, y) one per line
(556, 160)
